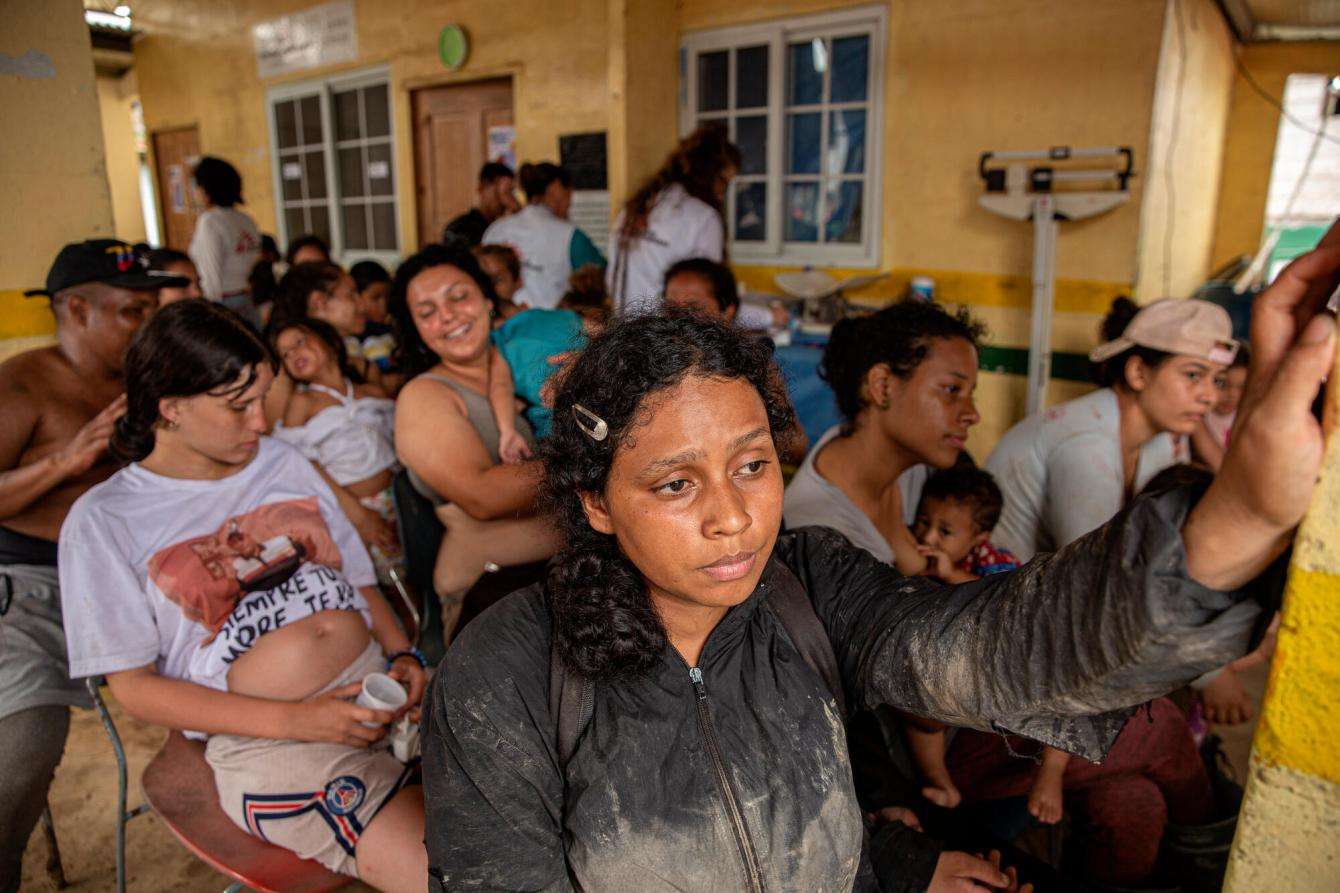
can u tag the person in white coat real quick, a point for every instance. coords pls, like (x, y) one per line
(676, 215)
(226, 243)
(549, 245)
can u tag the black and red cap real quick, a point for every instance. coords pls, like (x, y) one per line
(104, 260)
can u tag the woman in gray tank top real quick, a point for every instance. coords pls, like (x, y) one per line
(446, 434)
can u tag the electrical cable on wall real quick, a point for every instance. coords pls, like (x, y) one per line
(1278, 103)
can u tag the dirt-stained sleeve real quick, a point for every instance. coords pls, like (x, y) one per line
(1060, 650)
(493, 793)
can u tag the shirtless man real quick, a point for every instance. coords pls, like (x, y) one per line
(59, 404)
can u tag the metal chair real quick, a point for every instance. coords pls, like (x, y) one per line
(178, 786)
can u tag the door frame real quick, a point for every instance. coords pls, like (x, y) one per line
(410, 86)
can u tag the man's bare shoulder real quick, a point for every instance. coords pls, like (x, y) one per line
(33, 373)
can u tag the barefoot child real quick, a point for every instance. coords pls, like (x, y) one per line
(959, 508)
(345, 426)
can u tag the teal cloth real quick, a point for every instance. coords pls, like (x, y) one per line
(582, 251)
(527, 341)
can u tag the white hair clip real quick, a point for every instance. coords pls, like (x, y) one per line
(592, 425)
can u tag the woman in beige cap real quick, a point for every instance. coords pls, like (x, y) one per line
(1066, 471)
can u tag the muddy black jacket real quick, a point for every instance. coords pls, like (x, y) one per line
(741, 781)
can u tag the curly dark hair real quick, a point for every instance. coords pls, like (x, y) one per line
(899, 336)
(604, 622)
(411, 354)
(695, 164)
(971, 486)
(1111, 373)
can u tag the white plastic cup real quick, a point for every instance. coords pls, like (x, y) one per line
(381, 692)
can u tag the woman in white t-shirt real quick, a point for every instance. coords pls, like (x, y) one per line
(226, 243)
(677, 214)
(217, 586)
(549, 245)
(1068, 470)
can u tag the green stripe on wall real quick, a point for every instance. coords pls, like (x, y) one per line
(1014, 361)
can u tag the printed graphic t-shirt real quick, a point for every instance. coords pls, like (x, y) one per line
(190, 574)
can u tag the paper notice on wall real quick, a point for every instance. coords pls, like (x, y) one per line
(378, 170)
(502, 144)
(320, 35)
(291, 170)
(177, 188)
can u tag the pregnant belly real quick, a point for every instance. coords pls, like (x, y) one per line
(300, 659)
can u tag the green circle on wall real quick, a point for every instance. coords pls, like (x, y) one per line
(452, 46)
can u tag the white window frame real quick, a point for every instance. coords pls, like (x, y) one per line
(869, 20)
(324, 89)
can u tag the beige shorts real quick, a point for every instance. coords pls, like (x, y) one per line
(314, 799)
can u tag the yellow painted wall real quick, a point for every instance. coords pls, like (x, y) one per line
(197, 65)
(1249, 149)
(115, 95)
(643, 83)
(1182, 168)
(51, 160)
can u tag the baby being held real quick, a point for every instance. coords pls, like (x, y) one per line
(958, 510)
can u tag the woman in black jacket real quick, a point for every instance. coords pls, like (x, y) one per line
(656, 715)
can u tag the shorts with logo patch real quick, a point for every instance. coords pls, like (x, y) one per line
(312, 798)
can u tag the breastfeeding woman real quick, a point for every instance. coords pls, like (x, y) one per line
(215, 583)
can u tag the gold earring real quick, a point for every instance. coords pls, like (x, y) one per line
(170, 424)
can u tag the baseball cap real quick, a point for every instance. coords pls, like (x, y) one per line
(1190, 327)
(104, 260)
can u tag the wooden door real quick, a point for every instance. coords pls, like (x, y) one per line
(176, 153)
(451, 143)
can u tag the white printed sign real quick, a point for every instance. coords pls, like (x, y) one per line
(502, 144)
(378, 170)
(292, 170)
(321, 35)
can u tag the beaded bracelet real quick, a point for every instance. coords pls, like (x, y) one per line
(407, 652)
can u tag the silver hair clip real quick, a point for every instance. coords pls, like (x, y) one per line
(592, 425)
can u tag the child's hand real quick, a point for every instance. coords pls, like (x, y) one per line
(1044, 800)
(937, 562)
(512, 447)
(943, 794)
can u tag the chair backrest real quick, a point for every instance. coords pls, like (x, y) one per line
(420, 533)
(179, 786)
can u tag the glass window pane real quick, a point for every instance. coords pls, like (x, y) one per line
(846, 142)
(376, 111)
(802, 143)
(286, 124)
(355, 218)
(351, 172)
(383, 226)
(843, 201)
(751, 77)
(319, 220)
(804, 69)
(290, 176)
(751, 135)
(802, 212)
(712, 81)
(346, 115)
(315, 163)
(379, 169)
(294, 222)
(310, 120)
(851, 63)
(751, 212)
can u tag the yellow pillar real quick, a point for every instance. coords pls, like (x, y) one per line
(644, 46)
(1289, 831)
(52, 171)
